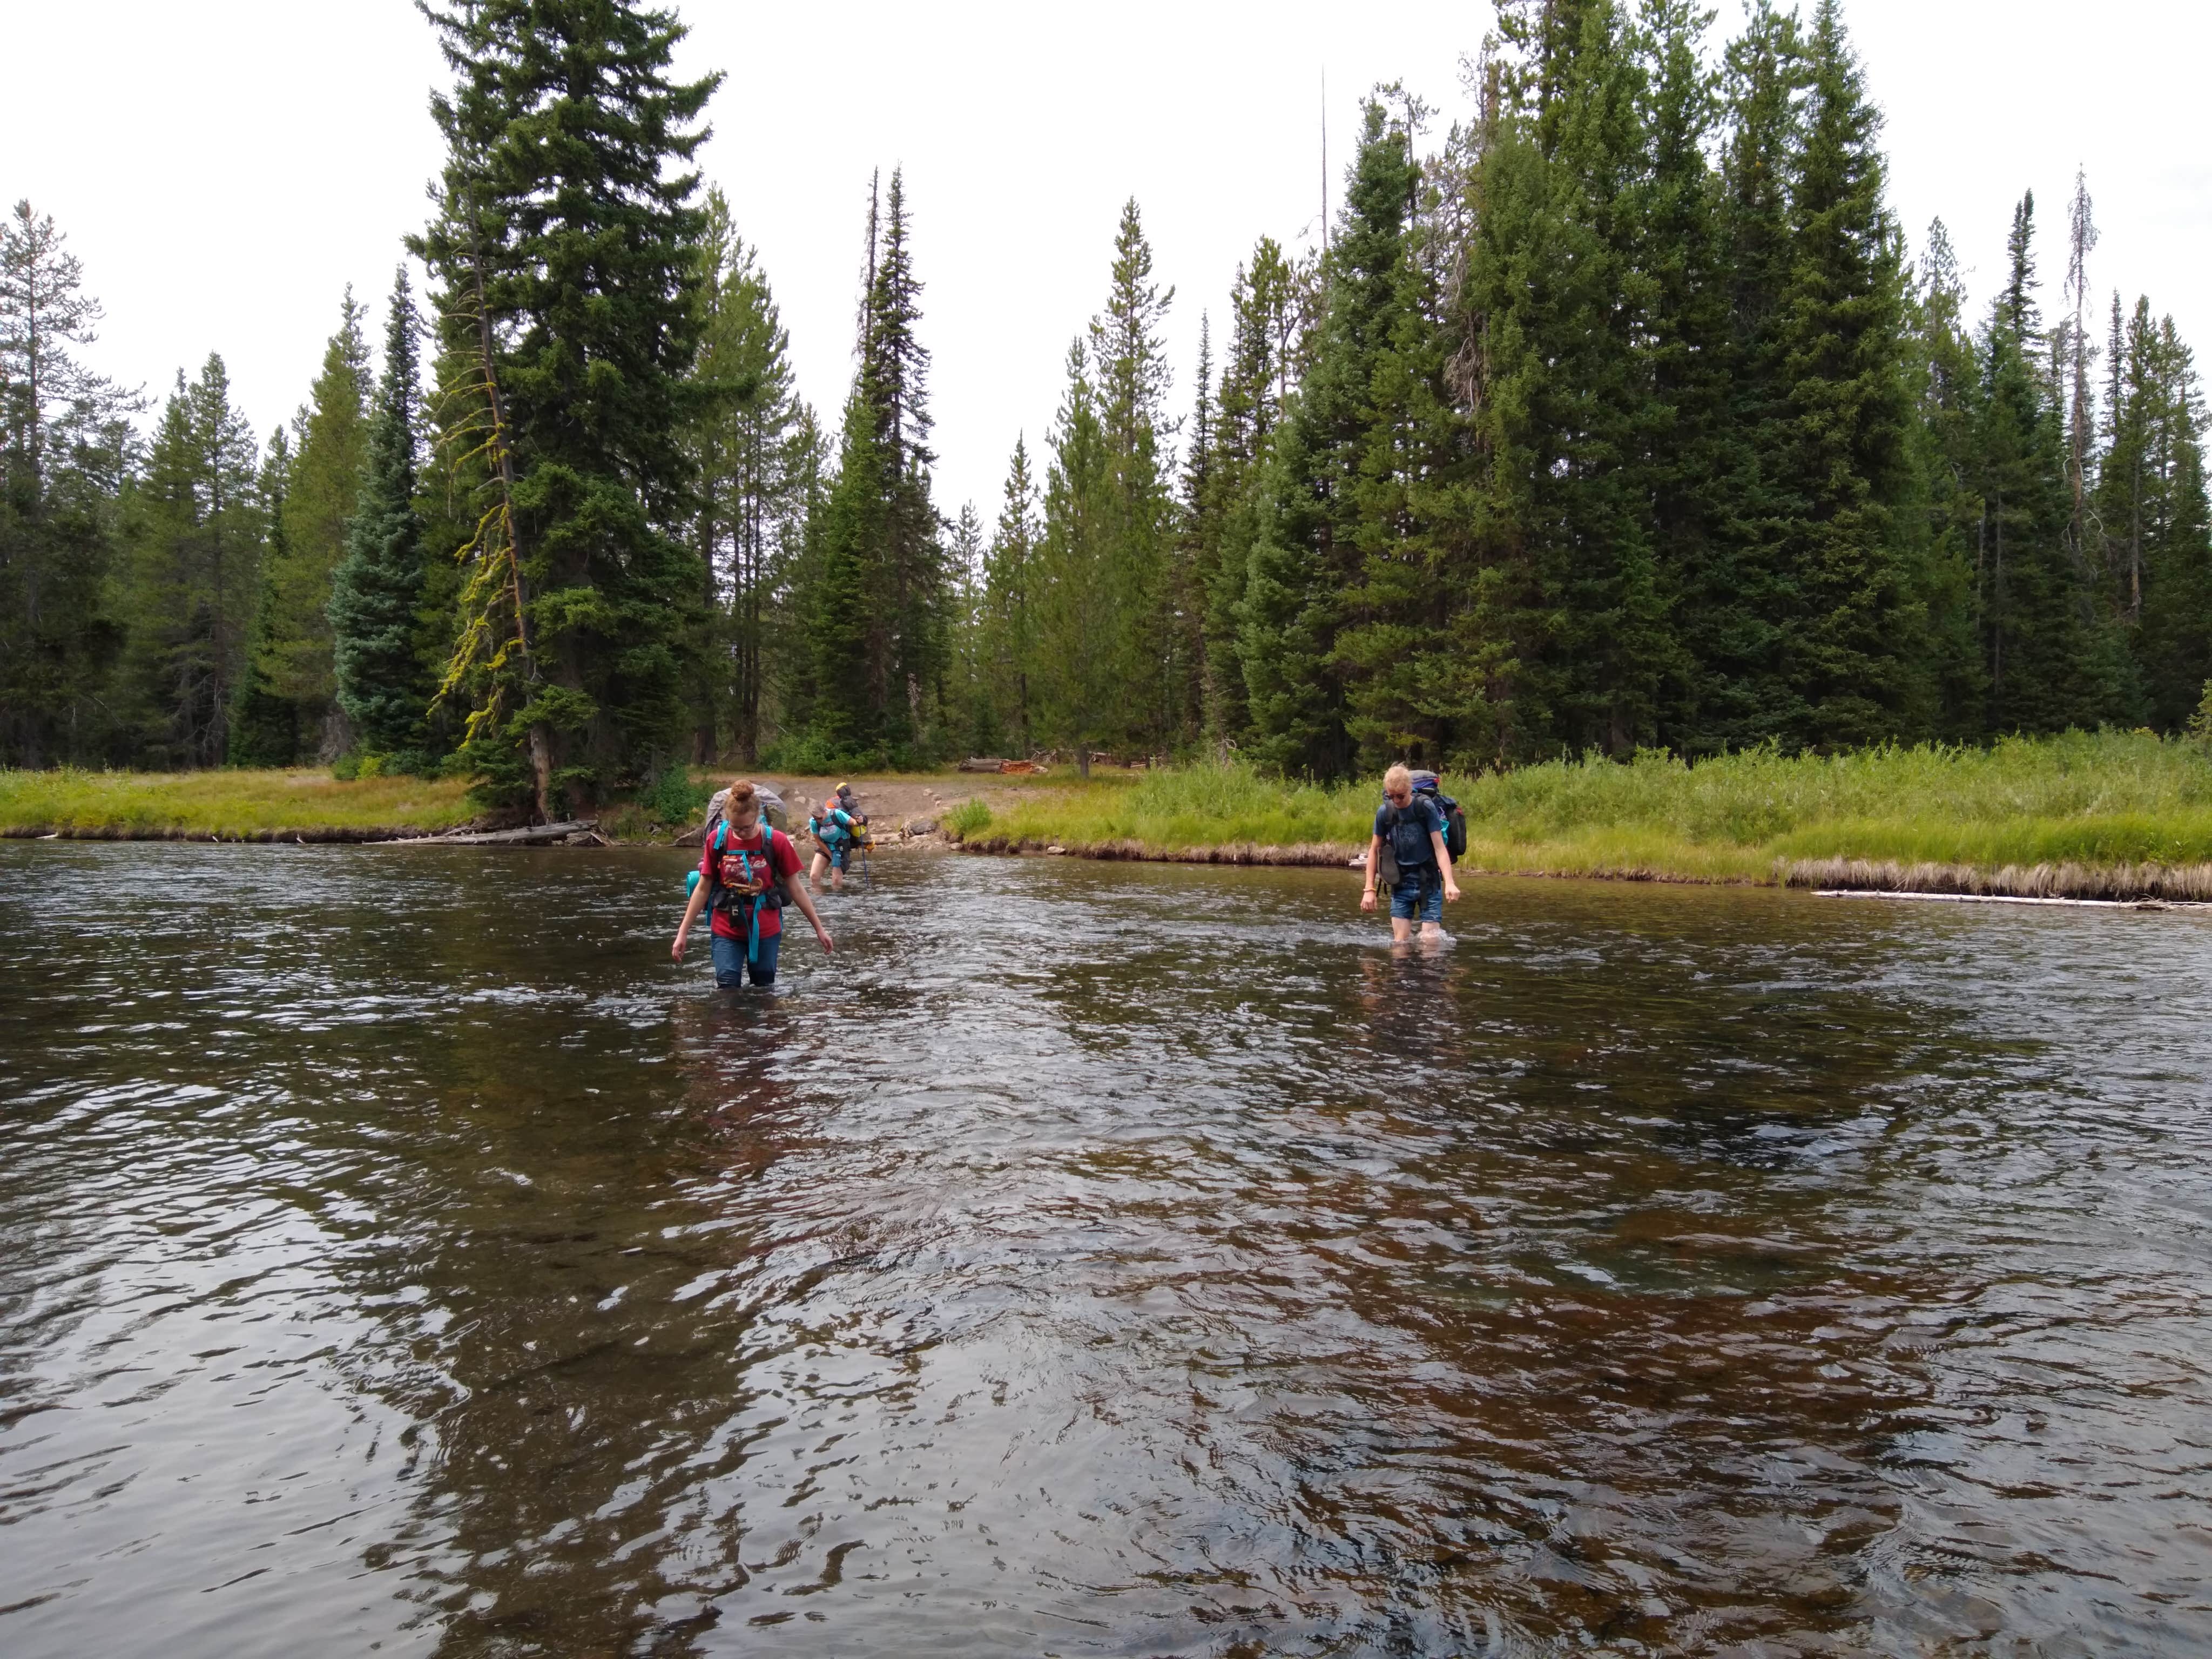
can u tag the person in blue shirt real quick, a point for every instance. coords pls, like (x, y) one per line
(1415, 829)
(837, 833)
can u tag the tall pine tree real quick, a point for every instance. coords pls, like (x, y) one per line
(1010, 623)
(65, 446)
(1130, 368)
(1403, 652)
(1845, 539)
(746, 519)
(330, 445)
(877, 611)
(569, 240)
(197, 520)
(1266, 305)
(2048, 666)
(379, 590)
(2150, 500)
(1570, 590)
(1082, 632)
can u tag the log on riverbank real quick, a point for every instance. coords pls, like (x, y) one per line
(309, 835)
(305, 835)
(534, 835)
(2182, 883)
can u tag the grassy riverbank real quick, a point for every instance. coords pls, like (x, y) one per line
(2115, 815)
(240, 805)
(2106, 802)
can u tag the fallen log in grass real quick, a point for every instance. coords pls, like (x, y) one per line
(2183, 883)
(535, 835)
(305, 835)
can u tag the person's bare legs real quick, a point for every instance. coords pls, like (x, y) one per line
(814, 871)
(1402, 930)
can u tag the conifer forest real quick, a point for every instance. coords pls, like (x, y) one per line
(1615, 412)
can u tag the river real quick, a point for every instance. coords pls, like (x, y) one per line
(397, 1253)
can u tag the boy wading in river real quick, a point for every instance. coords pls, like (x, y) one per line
(745, 872)
(1410, 829)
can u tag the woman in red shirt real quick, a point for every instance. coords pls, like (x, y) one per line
(745, 872)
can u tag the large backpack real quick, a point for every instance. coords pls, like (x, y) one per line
(743, 910)
(1424, 783)
(773, 811)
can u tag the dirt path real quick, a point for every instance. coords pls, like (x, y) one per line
(891, 803)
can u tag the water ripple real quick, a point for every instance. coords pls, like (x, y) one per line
(395, 1248)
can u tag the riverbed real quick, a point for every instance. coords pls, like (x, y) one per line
(398, 1253)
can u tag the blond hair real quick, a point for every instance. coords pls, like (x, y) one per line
(1397, 776)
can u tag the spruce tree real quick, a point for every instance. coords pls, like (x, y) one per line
(912, 602)
(745, 522)
(1131, 375)
(1198, 543)
(1009, 598)
(1570, 592)
(567, 242)
(1403, 652)
(330, 450)
(2048, 659)
(847, 633)
(971, 699)
(1945, 377)
(264, 724)
(1685, 450)
(1853, 655)
(65, 446)
(1081, 666)
(1734, 604)
(197, 522)
(380, 589)
(1255, 381)
(2151, 500)
(2072, 357)
(879, 602)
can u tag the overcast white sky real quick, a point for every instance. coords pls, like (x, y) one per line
(224, 168)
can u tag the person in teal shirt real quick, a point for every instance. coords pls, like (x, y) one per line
(836, 833)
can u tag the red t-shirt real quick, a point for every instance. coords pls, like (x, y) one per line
(778, 854)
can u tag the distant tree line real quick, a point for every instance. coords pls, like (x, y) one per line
(1620, 416)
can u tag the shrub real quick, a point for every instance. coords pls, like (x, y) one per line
(673, 798)
(968, 818)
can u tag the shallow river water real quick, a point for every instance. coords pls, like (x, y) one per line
(397, 1253)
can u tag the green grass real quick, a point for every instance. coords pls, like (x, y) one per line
(2102, 800)
(2105, 799)
(225, 803)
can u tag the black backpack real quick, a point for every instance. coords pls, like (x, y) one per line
(1424, 783)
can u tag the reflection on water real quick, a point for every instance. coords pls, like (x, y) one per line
(395, 1248)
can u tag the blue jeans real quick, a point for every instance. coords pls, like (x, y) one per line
(1419, 895)
(730, 962)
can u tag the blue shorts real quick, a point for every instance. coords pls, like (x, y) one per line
(1419, 897)
(730, 962)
